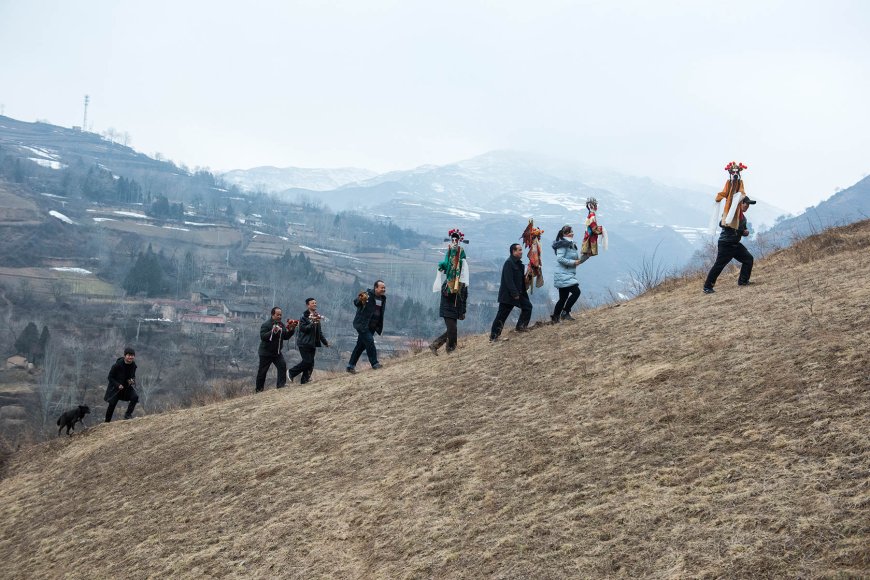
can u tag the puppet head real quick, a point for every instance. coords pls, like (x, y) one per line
(531, 234)
(734, 170)
(592, 204)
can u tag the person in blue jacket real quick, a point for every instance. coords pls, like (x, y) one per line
(565, 275)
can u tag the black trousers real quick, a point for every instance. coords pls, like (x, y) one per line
(365, 341)
(727, 252)
(306, 366)
(450, 336)
(132, 397)
(504, 310)
(280, 366)
(567, 297)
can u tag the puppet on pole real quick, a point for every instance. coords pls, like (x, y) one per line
(453, 269)
(532, 240)
(589, 247)
(732, 194)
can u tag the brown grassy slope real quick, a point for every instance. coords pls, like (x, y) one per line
(676, 435)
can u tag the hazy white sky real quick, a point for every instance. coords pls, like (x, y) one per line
(670, 89)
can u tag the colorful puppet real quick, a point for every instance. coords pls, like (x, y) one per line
(454, 266)
(532, 240)
(733, 187)
(589, 247)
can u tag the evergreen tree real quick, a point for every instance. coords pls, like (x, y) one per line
(42, 345)
(28, 340)
(146, 276)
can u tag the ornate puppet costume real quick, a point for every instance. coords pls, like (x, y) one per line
(453, 264)
(589, 247)
(732, 193)
(532, 240)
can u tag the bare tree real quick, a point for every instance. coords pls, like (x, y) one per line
(48, 383)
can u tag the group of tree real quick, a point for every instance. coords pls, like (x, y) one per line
(162, 208)
(146, 276)
(31, 343)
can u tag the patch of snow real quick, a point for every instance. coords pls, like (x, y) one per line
(132, 214)
(198, 224)
(285, 239)
(73, 270)
(461, 213)
(53, 196)
(437, 187)
(332, 252)
(176, 228)
(568, 201)
(48, 163)
(261, 233)
(692, 234)
(61, 217)
(44, 153)
(104, 219)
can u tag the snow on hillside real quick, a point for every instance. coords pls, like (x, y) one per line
(60, 216)
(72, 270)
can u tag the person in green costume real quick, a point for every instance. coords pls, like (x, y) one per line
(452, 281)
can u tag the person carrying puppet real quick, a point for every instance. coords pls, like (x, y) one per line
(734, 229)
(452, 282)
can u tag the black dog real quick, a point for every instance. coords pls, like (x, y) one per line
(71, 417)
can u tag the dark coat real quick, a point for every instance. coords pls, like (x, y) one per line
(310, 335)
(453, 305)
(512, 282)
(365, 313)
(120, 375)
(732, 236)
(270, 345)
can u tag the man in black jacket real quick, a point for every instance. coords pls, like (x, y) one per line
(272, 336)
(308, 339)
(122, 385)
(731, 248)
(369, 319)
(511, 293)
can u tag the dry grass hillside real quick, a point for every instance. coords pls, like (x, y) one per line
(676, 435)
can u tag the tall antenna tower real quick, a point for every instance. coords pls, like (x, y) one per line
(85, 119)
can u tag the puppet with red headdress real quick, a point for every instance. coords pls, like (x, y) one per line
(732, 194)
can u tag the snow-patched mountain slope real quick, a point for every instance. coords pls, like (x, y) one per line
(275, 179)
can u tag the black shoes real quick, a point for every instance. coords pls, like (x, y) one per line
(351, 370)
(747, 283)
(567, 316)
(708, 290)
(555, 319)
(376, 366)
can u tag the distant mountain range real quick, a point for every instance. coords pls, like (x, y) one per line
(277, 179)
(844, 207)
